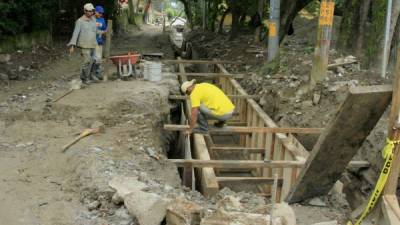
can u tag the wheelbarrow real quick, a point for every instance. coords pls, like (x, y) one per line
(124, 63)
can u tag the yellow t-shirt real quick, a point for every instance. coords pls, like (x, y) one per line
(212, 97)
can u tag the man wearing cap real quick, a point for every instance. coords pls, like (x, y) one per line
(84, 37)
(101, 30)
(208, 101)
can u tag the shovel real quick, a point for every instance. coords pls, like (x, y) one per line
(75, 85)
(84, 133)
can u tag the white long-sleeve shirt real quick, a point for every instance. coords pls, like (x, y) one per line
(84, 35)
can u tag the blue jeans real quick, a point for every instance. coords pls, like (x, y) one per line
(206, 113)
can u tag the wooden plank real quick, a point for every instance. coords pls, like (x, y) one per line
(340, 141)
(213, 75)
(242, 149)
(246, 164)
(184, 97)
(391, 185)
(257, 180)
(209, 184)
(231, 129)
(235, 163)
(182, 61)
(391, 209)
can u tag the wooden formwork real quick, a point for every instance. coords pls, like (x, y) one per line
(268, 151)
(276, 146)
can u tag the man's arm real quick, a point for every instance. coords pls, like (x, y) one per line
(75, 35)
(193, 118)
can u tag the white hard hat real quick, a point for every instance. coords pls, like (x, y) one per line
(88, 7)
(186, 85)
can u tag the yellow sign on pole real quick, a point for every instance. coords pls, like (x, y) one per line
(326, 13)
(272, 29)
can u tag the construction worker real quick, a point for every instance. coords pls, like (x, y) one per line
(208, 101)
(84, 37)
(101, 30)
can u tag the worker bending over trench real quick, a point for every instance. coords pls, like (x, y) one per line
(208, 102)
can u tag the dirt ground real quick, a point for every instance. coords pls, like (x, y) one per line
(41, 185)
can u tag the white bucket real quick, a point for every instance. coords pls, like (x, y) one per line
(152, 71)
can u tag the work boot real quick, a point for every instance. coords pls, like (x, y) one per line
(219, 124)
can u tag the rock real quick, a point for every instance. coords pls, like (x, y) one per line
(5, 58)
(286, 213)
(316, 98)
(93, 205)
(183, 212)
(126, 185)
(333, 222)
(317, 202)
(117, 199)
(221, 217)
(340, 70)
(307, 103)
(4, 77)
(148, 208)
(229, 203)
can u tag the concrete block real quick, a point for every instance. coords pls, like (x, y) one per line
(222, 217)
(148, 208)
(126, 185)
(285, 213)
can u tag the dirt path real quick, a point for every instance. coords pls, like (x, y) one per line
(39, 184)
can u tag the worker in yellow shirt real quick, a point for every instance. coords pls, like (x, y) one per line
(208, 102)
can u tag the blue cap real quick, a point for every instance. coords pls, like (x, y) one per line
(99, 9)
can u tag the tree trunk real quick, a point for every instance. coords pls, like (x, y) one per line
(260, 12)
(364, 10)
(235, 9)
(289, 10)
(221, 22)
(188, 12)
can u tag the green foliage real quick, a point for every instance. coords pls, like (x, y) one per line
(26, 16)
(171, 13)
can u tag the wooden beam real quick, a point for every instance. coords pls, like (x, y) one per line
(243, 164)
(246, 164)
(184, 97)
(340, 141)
(213, 75)
(390, 211)
(182, 61)
(243, 149)
(209, 184)
(231, 129)
(263, 180)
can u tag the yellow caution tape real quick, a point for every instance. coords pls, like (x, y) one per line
(387, 154)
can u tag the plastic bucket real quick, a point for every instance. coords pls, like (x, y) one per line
(152, 71)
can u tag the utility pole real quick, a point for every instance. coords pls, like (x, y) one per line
(321, 52)
(273, 30)
(260, 10)
(386, 44)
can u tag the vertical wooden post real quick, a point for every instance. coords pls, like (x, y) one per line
(260, 12)
(273, 30)
(391, 184)
(107, 49)
(321, 52)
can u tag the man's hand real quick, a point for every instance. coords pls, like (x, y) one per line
(71, 49)
(188, 131)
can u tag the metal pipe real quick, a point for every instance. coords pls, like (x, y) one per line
(386, 44)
